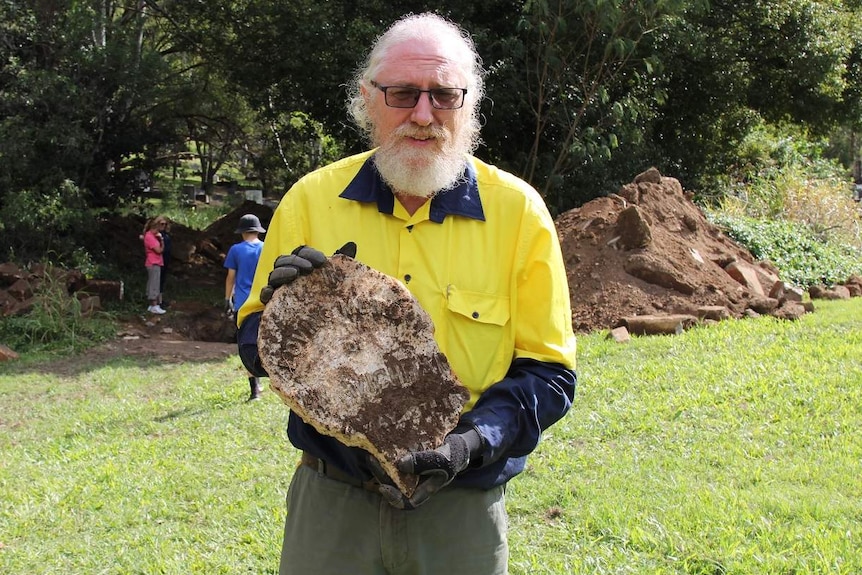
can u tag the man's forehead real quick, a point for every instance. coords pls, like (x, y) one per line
(421, 60)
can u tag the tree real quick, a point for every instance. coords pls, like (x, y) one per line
(84, 97)
(736, 65)
(583, 85)
(287, 146)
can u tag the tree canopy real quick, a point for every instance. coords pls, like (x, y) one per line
(582, 95)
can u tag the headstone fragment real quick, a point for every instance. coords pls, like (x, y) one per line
(352, 353)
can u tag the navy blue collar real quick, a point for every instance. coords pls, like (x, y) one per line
(462, 200)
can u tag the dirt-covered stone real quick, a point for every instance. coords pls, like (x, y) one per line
(351, 352)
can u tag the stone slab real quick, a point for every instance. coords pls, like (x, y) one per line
(351, 352)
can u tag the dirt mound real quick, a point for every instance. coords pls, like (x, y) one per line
(645, 251)
(649, 250)
(190, 247)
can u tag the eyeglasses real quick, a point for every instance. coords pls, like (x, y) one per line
(408, 97)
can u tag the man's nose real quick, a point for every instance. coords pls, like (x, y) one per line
(423, 111)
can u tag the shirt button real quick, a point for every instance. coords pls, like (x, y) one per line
(475, 315)
(407, 278)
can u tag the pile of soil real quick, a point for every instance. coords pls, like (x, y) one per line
(649, 250)
(646, 250)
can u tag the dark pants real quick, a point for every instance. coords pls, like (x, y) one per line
(336, 528)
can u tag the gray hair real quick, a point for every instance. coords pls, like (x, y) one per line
(415, 27)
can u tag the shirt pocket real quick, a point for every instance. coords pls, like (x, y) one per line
(482, 308)
(479, 337)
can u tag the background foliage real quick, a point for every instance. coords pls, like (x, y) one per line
(100, 99)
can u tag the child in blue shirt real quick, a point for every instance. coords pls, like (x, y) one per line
(241, 263)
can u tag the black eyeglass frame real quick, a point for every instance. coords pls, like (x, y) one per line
(419, 92)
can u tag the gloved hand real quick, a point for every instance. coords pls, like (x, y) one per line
(435, 467)
(300, 261)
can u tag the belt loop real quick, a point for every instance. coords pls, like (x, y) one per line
(321, 466)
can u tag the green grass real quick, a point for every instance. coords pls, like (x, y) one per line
(730, 449)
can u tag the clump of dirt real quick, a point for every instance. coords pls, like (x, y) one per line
(648, 250)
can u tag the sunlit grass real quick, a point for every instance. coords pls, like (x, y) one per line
(729, 449)
(732, 448)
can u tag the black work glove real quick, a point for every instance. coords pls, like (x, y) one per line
(287, 268)
(301, 261)
(436, 468)
(228, 307)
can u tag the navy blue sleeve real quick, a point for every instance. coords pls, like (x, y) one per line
(512, 414)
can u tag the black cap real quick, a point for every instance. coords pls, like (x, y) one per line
(249, 223)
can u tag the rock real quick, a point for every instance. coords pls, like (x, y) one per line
(633, 229)
(21, 290)
(672, 324)
(630, 193)
(352, 353)
(619, 335)
(746, 275)
(763, 304)
(834, 292)
(713, 312)
(653, 270)
(6, 354)
(840, 292)
(651, 175)
(10, 273)
(766, 277)
(107, 290)
(789, 311)
(783, 291)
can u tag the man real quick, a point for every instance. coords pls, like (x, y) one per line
(241, 263)
(479, 251)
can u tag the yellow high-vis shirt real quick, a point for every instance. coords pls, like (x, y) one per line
(483, 259)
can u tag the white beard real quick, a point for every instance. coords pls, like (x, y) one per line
(420, 173)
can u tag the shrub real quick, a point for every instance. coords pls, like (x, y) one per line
(55, 322)
(802, 256)
(55, 222)
(823, 204)
(788, 204)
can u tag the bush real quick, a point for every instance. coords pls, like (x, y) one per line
(802, 256)
(55, 322)
(823, 204)
(39, 222)
(788, 204)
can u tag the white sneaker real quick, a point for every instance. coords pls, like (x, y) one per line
(155, 309)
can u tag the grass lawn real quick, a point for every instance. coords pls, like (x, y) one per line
(730, 449)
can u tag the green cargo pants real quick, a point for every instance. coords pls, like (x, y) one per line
(333, 528)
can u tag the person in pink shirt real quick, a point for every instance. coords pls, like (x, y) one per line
(154, 246)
